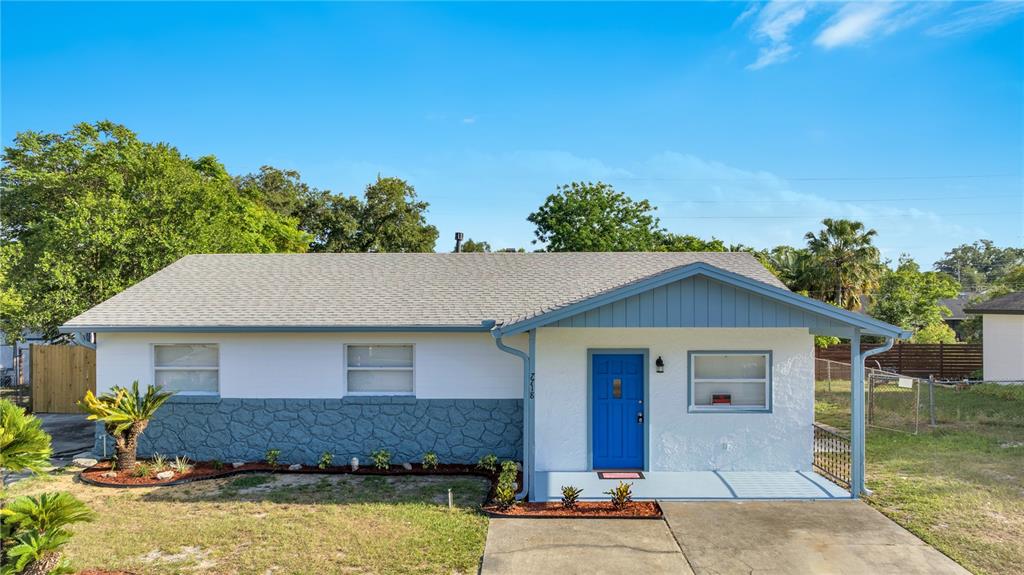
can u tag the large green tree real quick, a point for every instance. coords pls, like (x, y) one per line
(392, 219)
(909, 298)
(92, 211)
(847, 261)
(331, 220)
(595, 217)
(981, 264)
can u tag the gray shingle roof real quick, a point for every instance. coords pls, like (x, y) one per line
(368, 290)
(1011, 303)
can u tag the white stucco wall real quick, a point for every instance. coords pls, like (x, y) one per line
(1003, 346)
(311, 365)
(678, 440)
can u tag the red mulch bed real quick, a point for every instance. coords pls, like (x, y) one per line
(583, 509)
(205, 470)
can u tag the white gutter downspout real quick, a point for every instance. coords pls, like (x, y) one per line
(527, 404)
(857, 430)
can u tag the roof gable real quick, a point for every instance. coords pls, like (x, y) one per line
(700, 295)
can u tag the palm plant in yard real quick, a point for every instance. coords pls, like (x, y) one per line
(23, 443)
(125, 415)
(34, 531)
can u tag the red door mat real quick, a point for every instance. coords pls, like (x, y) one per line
(620, 475)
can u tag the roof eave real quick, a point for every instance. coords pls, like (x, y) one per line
(484, 326)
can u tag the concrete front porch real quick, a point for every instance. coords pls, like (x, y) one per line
(694, 485)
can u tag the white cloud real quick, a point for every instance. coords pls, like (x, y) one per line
(773, 26)
(469, 120)
(750, 10)
(771, 55)
(978, 16)
(853, 23)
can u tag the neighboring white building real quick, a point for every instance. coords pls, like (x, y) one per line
(1002, 322)
(686, 367)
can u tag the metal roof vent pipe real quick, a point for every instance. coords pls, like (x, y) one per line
(458, 242)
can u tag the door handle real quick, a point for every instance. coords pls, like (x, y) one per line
(640, 417)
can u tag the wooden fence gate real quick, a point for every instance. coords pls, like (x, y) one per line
(61, 374)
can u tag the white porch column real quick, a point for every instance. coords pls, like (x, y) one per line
(856, 416)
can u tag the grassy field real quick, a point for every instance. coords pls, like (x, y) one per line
(959, 486)
(280, 524)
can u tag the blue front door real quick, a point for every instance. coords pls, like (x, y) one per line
(617, 394)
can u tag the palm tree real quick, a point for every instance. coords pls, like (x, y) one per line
(23, 443)
(34, 531)
(125, 415)
(848, 261)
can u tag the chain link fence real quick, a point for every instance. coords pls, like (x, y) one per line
(897, 402)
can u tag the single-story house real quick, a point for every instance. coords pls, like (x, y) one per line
(1002, 336)
(663, 363)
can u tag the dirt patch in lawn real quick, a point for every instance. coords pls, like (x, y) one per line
(598, 509)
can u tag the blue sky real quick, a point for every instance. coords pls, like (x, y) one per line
(748, 122)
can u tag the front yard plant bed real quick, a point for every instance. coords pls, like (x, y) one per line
(98, 474)
(583, 509)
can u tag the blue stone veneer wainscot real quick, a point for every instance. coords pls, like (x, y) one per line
(458, 430)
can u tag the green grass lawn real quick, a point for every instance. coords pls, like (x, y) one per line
(959, 486)
(280, 524)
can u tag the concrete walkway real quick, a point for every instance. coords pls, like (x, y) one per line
(584, 546)
(833, 537)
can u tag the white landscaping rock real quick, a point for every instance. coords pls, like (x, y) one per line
(294, 467)
(164, 475)
(84, 462)
(237, 464)
(407, 466)
(108, 474)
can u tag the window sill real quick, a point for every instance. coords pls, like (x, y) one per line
(379, 394)
(730, 409)
(186, 397)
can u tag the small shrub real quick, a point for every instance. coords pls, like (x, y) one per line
(509, 467)
(217, 464)
(272, 457)
(488, 463)
(325, 460)
(505, 492)
(181, 465)
(504, 495)
(142, 470)
(570, 496)
(159, 462)
(621, 494)
(430, 460)
(381, 458)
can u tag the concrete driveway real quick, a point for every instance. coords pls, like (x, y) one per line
(840, 537)
(719, 538)
(584, 546)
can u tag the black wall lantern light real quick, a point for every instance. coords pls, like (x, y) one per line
(659, 365)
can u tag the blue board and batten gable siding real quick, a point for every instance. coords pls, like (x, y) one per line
(699, 301)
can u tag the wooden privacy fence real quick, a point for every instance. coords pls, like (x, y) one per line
(61, 374)
(941, 360)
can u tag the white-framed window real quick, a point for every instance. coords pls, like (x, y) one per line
(187, 368)
(730, 381)
(379, 369)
